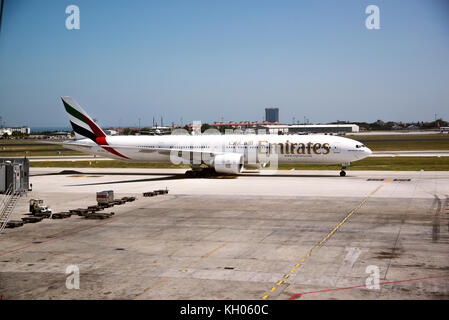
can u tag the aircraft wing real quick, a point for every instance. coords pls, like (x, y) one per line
(166, 151)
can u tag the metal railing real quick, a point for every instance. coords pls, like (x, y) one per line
(8, 205)
(5, 199)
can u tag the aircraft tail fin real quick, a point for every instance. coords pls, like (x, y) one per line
(82, 124)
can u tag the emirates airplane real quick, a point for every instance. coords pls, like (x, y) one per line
(212, 153)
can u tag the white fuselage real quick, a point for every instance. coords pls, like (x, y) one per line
(325, 149)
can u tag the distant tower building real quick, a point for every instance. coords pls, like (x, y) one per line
(272, 114)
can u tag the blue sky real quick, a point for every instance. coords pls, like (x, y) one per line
(208, 60)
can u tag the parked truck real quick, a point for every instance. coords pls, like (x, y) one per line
(38, 208)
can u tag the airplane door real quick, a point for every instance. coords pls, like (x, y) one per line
(264, 147)
(336, 147)
(16, 176)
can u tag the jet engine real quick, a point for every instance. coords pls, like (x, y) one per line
(231, 163)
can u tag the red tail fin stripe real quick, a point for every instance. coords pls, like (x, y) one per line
(111, 150)
(101, 141)
(101, 137)
(97, 131)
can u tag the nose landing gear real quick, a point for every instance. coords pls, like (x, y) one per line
(343, 167)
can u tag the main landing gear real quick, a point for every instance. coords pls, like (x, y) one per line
(342, 173)
(200, 173)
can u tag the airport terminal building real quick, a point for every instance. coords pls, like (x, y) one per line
(9, 131)
(311, 128)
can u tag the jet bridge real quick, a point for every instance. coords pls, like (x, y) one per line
(14, 172)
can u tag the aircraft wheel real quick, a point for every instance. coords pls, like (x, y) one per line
(208, 172)
(198, 174)
(189, 174)
(342, 173)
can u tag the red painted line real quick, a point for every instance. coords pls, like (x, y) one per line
(57, 238)
(362, 286)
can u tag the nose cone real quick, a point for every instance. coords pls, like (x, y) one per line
(368, 152)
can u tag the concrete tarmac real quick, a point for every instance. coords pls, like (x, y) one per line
(418, 153)
(281, 235)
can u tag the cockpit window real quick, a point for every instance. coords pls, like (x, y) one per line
(360, 146)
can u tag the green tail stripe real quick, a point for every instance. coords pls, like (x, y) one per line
(74, 112)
